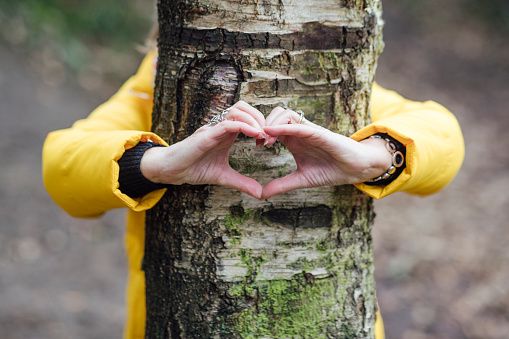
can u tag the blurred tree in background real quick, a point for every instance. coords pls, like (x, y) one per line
(95, 38)
(494, 12)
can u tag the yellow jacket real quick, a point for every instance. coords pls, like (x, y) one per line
(80, 166)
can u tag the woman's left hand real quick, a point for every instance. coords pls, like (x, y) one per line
(202, 158)
(323, 158)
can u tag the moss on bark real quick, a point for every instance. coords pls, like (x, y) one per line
(222, 265)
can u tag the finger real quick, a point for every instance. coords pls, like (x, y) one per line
(277, 116)
(273, 114)
(287, 183)
(256, 114)
(235, 114)
(296, 130)
(226, 127)
(280, 132)
(286, 116)
(313, 135)
(225, 133)
(234, 179)
(270, 140)
(289, 116)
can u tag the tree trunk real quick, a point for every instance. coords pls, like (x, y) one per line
(219, 263)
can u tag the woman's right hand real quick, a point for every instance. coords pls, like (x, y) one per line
(323, 158)
(202, 158)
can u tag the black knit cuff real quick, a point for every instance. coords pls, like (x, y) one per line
(399, 147)
(131, 180)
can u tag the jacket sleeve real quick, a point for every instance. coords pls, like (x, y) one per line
(80, 169)
(432, 137)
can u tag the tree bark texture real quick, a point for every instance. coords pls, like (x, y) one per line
(219, 263)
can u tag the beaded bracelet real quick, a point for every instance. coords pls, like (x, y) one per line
(398, 160)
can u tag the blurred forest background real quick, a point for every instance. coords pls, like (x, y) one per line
(442, 262)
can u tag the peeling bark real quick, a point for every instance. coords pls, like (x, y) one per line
(218, 263)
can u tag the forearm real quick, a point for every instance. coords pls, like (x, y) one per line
(80, 166)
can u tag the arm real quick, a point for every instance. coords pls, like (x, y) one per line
(323, 157)
(81, 164)
(431, 135)
(80, 168)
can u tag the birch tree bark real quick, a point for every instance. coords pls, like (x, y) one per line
(219, 263)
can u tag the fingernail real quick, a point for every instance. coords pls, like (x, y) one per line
(266, 142)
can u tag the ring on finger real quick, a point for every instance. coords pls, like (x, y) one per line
(301, 117)
(216, 119)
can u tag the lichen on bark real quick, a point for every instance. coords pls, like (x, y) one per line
(218, 263)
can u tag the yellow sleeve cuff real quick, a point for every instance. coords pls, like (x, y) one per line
(379, 192)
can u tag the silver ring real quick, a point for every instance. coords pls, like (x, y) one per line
(216, 119)
(301, 116)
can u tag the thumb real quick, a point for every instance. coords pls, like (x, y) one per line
(287, 183)
(234, 179)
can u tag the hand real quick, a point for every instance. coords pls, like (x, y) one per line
(323, 158)
(202, 158)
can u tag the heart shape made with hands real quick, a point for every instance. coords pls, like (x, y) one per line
(323, 158)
